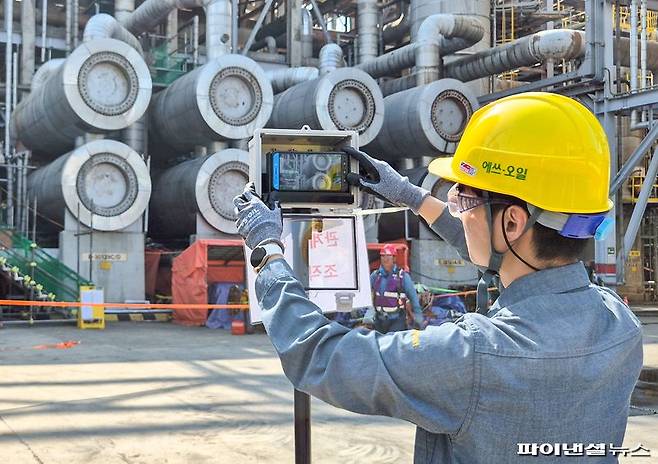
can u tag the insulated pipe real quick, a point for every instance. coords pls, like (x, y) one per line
(104, 85)
(225, 99)
(367, 19)
(556, 44)
(345, 99)
(428, 59)
(104, 175)
(123, 9)
(218, 20)
(282, 79)
(438, 35)
(331, 57)
(45, 71)
(28, 29)
(424, 121)
(643, 48)
(633, 55)
(307, 35)
(103, 26)
(199, 187)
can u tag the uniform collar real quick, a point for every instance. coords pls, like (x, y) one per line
(545, 282)
(383, 272)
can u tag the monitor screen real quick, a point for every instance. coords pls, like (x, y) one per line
(309, 172)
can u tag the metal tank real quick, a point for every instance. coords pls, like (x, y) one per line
(343, 99)
(104, 175)
(104, 85)
(424, 121)
(205, 186)
(227, 98)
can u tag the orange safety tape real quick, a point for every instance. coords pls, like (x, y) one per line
(57, 346)
(77, 304)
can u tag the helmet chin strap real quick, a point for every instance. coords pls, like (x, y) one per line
(496, 258)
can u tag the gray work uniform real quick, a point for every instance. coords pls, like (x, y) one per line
(554, 361)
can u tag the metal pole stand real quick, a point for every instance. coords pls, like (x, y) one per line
(302, 428)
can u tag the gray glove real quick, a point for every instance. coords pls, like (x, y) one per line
(256, 222)
(385, 182)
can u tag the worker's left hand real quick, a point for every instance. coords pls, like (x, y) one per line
(385, 182)
(256, 222)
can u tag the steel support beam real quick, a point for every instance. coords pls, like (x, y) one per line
(615, 104)
(257, 26)
(641, 205)
(634, 159)
(294, 32)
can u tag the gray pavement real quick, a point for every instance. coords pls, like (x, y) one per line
(160, 393)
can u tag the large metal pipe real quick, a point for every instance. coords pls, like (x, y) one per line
(227, 98)
(396, 30)
(307, 36)
(556, 44)
(123, 9)
(218, 20)
(102, 26)
(104, 175)
(282, 79)
(424, 121)
(438, 35)
(28, 29)
(200, 187)
(345, 99)
(104, 85)
(331, 58)
(367, 19)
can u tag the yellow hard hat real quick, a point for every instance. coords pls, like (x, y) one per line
(544, 148)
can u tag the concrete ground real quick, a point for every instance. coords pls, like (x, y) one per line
(160, 393)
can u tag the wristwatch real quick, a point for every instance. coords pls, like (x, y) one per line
(261, 253)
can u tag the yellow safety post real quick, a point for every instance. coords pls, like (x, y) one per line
(91, 316)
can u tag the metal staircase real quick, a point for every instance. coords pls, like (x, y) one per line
(35, 271)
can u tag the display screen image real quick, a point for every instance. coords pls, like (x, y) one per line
(309, 172)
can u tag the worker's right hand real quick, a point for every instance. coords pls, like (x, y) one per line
(384, 181)
(256, 222)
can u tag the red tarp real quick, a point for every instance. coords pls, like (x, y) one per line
(192, 271)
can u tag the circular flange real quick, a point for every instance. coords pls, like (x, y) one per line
(233, 96)
(451, 111)
(108, 83)
(236, 96)
(111, 177)
(351, 105)
(107, 184)
(349, 99)
(444, 109)
(222, 176)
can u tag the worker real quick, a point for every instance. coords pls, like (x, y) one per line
(394, 296)
(549, 368)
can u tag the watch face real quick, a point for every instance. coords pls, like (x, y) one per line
(257, 256)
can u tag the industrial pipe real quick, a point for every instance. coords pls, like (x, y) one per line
(201, 187)
(344, 99)
(103, 26)
(225, 99)
(28, 29)
(104, 176)
(367, 19)
(438, 35)
(123, 9)
(104, 85)
(306, 36)
(331, 57)
(218, 20)
(282, 79)
(424, 121)
(561, 44)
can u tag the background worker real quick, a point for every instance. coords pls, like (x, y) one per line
(394, 295)
(554, 360)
